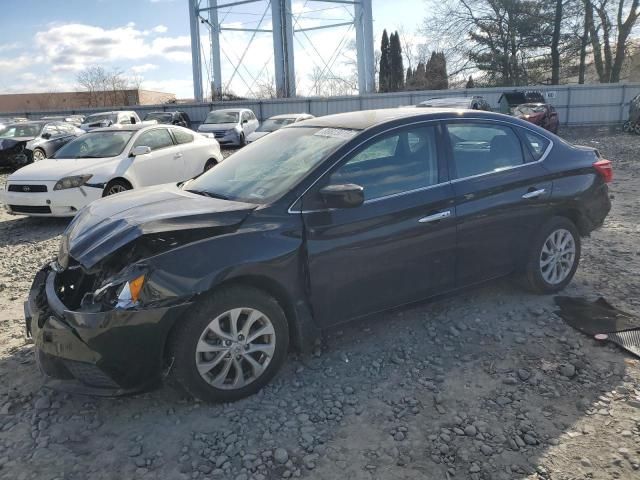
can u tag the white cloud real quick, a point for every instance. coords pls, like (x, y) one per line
(145, 67)
(159, 29)
(5, 47)
(72, 47)
(17, 63)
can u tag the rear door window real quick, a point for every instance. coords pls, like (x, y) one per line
(182, 136)
(537, 144)
(479, 148)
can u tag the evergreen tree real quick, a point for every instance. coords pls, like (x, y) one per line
(409, 78)
(419, 77)
(470, 83)
(436, 72)
(397, 68)
(384, 81)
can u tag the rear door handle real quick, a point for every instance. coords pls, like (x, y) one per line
(435, 217)
(534, 193)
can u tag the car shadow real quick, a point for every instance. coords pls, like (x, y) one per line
(476, 386)
(21, 229)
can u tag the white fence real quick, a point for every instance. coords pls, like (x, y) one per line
(599, 104)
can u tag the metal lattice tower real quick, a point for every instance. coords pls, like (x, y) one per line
(283, 28)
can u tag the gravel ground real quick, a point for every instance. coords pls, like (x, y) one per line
(487, 385)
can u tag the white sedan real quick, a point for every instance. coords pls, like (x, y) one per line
(106, 161)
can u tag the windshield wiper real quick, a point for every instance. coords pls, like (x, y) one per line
(204, 193)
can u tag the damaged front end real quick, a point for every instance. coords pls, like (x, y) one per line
(14, 153)
(97, 339)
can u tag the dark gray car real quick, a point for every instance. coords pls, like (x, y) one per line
(25, 142)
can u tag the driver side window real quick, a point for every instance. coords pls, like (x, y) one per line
(155, 139)
(398, 162)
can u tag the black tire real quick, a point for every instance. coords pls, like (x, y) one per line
(210, 164)
(115, 186)
(186, 336)
(243, 140)
(534, 278)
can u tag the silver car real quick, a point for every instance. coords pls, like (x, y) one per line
(231, 126)
(276, 123)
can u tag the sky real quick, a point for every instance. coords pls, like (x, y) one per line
(45, 43)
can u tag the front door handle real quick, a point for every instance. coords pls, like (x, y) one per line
(435, 217)
(177, 155)
(534, 193)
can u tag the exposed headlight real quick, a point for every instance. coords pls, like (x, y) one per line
(72, 182)
(119, 293)
(130, 292)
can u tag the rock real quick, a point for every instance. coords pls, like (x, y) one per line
(280, 456)
(524, 374)
(399, 436)
(135, 451)
(470, 431)
(585, 462)
(42, 403)
(486, 449)
(530, 440)
(567, 370)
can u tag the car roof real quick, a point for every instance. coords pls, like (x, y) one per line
(446, 101)
(231, 110)
(130, 128)
(33, 122)
(364, 119)
(289, 115)
(112, 112)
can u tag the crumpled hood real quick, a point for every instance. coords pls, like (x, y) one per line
(108, 224)
(9, 143)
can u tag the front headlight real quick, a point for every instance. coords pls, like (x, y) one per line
(232, 131)
(120, 293)
(72, 182)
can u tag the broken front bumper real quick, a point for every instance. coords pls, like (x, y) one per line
(107, 353)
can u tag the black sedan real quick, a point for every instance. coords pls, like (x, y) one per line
(171, 118)
(24, 142)
(319, 223)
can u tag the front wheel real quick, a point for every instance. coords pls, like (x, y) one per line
(230, 345)
(554, 256)
(243, 140)
(115, 186)
(39, 154)
(626, 126)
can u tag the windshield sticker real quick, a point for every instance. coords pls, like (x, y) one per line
(336, 133)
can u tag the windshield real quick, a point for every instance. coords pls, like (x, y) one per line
(95, 145)
(264, 171)
(273, 124)
(160, 117)
(21, 130)
(222, 117)
(528, 109)
(99, 117)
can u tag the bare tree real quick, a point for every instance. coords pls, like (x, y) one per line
(106, 87)
(610, 39)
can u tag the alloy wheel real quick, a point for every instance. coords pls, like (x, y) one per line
(117, 188)
(38, 155)
(558, 256)
(235, 348)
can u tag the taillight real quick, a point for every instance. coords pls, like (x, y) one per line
(604, 168)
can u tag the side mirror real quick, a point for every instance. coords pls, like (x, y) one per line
(46, 135)
(140, 150)
(348, 195)
(245, 121)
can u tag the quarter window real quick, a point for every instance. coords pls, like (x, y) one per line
(155, 139)
(182, 136)
(537, 144)
(482, 148)
(399, 162)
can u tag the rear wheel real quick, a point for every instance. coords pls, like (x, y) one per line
(39, 154)
(554, 256)
(636, 128)
(626, 126)
(232, 343)
(210, 164)
(115, 186)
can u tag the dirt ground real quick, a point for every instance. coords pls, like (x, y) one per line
(490, 384)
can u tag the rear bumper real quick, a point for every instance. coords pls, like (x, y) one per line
(52, 203)
(115, 352)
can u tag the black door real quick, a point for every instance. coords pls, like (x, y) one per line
(398, 246)
(501, 191)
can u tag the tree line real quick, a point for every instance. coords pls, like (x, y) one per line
(519, 42)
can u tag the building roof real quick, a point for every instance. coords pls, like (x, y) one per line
(368, 118)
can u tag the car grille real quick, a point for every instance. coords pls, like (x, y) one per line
(89, 374)
(28, 188)
(219, 133)
(29, 209)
